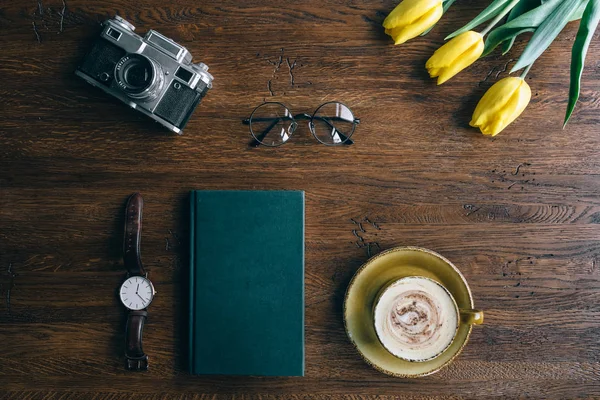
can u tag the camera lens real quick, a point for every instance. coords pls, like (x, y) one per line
(138, 76)
(135, 72)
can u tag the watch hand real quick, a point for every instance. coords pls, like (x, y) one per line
(140, 297)
(138, 288)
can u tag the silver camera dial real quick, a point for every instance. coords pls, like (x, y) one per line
(200, 66)
(123, 23)
(202, 70)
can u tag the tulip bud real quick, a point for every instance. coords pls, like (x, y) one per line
(454, 56)
(501, 105)
(411, 18)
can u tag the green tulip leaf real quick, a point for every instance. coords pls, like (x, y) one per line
(521, 8)
(587, 27)
(515, 37)
(547, 31)
(490, 12)
(525, 6)
(527, 22)
(579, 12)
(445, 5)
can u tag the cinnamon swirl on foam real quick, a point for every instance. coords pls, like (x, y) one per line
(416, 318)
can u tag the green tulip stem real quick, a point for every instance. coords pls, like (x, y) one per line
(524, 74)
(502, 14)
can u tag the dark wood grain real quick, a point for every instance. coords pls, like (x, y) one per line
(519, 214)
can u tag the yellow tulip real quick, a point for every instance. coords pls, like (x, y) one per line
(454, 56)
(501, 105)
(410, 18)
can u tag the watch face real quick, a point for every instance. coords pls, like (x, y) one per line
(136, 293)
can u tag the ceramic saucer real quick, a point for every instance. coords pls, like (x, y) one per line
(385, 267)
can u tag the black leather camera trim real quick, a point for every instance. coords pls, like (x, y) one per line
(102, 59)
(172, 106)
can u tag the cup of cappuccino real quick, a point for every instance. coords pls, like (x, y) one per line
(416, 318)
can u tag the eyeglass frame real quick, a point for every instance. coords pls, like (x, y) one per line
(294, 124)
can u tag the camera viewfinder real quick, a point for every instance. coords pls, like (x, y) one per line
(184, 74)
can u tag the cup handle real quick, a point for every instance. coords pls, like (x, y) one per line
(471, 317)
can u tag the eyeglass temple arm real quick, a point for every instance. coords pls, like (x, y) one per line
(259, 137)
(298, 116)
(308, 116)
(346, 139)
(264, 133)
(254, 119)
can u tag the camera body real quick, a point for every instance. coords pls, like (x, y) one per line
(153, 74)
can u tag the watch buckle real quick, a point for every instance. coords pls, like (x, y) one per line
(137, 363)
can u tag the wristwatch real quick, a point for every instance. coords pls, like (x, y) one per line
(136, 292)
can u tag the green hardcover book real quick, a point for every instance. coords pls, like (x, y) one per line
(247, 283)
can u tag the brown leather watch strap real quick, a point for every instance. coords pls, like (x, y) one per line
(135, 358)
(133, 235)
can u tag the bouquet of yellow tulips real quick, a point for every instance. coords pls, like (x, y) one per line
(509, 97)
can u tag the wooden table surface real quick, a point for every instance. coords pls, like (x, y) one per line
(519, 214)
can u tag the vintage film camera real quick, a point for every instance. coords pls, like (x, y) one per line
(152, 74)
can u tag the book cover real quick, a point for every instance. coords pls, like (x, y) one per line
(247, 283)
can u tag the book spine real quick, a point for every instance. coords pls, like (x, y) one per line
(303, 282)
(192, 297)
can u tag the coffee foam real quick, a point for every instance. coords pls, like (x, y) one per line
(416, 319)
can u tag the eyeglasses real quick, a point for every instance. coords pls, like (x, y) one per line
(273, 124)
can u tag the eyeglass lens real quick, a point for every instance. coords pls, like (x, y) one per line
(333, 123)
(272, 124)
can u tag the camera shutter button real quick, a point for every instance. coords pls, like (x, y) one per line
(177, 85)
